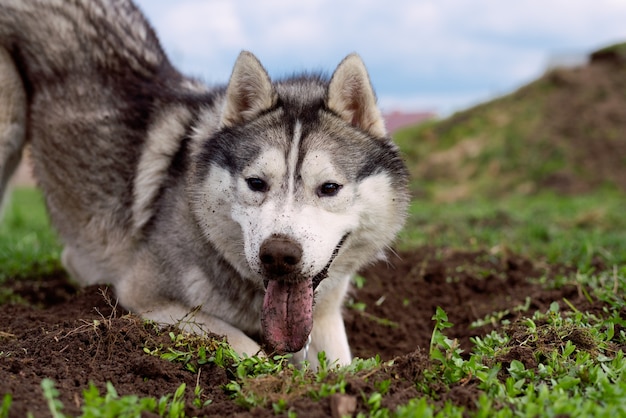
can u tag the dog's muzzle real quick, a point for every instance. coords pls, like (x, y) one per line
(287, 316)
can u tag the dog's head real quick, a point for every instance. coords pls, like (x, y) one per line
(299, 183)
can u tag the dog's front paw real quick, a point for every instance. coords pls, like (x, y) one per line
(244, 345)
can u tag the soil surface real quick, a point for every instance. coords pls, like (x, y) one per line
(76, 337)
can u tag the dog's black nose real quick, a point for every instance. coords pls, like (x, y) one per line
(280, 256)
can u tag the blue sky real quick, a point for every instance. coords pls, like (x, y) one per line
(433, 55)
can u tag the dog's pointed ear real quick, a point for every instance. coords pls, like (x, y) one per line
(350, 94)
(249, 91)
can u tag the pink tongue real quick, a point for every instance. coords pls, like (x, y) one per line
(287, 317)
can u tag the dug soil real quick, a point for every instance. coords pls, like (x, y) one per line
(77, 337)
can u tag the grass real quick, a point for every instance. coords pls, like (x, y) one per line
(28, 246)
(573, 230)
(111, 404)
(586, 378)
(578, 367)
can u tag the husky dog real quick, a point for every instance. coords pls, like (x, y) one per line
(243, 210)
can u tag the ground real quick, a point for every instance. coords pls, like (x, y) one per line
(77, 337)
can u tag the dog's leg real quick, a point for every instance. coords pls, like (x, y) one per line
(12, 119)
(83, 268)
(139, 290)
(198, 322)
(329, 332)
(68, 259)
(329, 335)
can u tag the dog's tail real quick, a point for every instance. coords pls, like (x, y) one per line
(12, 120)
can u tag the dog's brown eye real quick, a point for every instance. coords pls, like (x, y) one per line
(329, 189)
(257, 185)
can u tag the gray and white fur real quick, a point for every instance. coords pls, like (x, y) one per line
(242, 210)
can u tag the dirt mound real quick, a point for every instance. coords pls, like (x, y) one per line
(586, 119)
(77, 338)
(564, 132)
